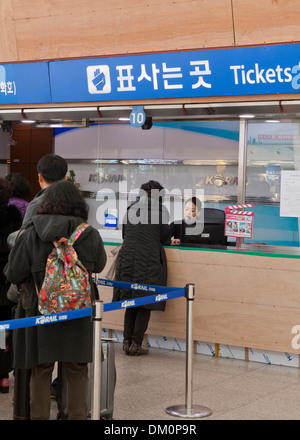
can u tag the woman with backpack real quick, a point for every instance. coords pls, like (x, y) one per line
(62, 210)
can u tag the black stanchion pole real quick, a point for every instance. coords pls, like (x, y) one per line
(188, 409)
(96, 390)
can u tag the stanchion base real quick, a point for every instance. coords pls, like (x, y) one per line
(196, 411)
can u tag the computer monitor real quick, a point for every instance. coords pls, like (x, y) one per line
(210, 231)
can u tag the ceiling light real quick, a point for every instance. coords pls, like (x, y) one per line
(64, 123)
(27, 121)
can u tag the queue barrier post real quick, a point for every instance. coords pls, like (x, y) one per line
(188, 410)
(97, 330)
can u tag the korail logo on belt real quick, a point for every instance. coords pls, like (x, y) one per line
(50, 318)
(138, 287)
(45, 319)
(127, 303)
(161, 297)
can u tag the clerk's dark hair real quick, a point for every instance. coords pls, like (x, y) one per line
(63, 198)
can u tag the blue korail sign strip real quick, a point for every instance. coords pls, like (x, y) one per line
(167, 293)
(220, 72)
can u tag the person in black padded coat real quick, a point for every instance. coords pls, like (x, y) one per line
(142, 259)
(10, 221)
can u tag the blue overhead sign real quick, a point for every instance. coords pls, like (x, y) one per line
(207, 73)
(24, 83)
(220, 72)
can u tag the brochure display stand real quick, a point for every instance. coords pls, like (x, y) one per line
(238, 223)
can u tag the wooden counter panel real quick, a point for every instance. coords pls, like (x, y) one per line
(240, 299)
(239, 284)
(111, 320)
(233, 258)
(245, 325)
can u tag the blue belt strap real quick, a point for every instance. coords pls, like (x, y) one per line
(163, 293)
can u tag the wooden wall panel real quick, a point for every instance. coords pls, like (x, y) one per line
(240, 299)
(50, 30)
(8, 42)
(43, 29)
(266, 21)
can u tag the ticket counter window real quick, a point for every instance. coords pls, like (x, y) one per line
(189, 157)
(272, 147)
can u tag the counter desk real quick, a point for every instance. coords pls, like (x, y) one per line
(245, 298)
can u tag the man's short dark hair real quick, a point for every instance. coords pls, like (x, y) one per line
(52, 167)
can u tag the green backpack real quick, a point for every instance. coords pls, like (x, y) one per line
(66, 283)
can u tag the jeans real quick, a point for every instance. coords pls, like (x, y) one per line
(78, 386)
(136, 321)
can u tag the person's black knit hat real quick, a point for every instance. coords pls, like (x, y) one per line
(152, 184)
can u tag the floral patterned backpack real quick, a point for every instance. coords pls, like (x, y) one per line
(66, 283)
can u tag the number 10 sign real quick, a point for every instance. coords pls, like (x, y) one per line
(137, 116)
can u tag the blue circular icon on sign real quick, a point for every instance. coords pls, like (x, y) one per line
(137, 116)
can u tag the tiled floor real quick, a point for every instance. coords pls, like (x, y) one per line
(232, 389)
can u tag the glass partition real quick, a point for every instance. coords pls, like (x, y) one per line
(109, 162)
(273, 146)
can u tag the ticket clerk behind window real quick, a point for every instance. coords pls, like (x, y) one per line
(194, 231)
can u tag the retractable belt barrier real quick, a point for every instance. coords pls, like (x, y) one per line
(160, 293)
(163, 294)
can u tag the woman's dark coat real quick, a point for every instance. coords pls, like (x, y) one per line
(142, 257)
(69, 341)
(10, 221)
